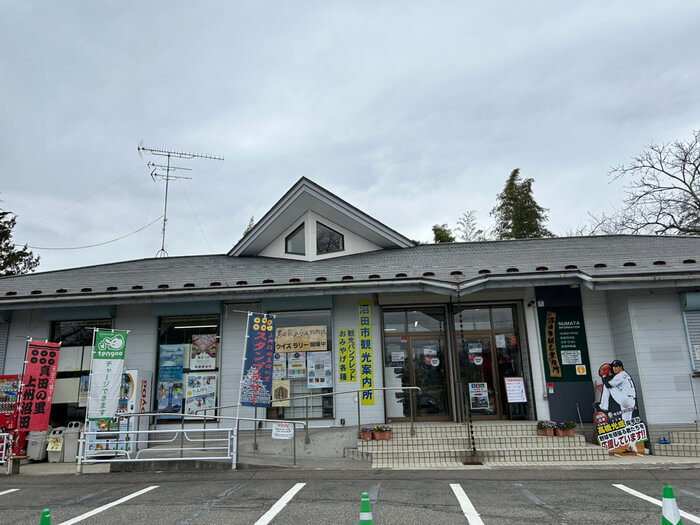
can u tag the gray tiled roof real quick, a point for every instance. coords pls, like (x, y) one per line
(528, 256)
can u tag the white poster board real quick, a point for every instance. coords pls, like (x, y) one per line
(479, 396)
(296, 365)
(515, 390)
(320, 370)
(282, 431)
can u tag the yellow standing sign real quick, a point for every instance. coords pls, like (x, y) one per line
(366, 357)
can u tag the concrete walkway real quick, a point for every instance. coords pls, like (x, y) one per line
(255, 462)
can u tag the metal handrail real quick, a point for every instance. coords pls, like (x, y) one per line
(309, 396)
(237, 419)
(4, 440)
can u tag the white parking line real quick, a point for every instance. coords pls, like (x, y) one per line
(469, 511)
(108, 506)
(658, 502)
(267, 517)
(7, 491)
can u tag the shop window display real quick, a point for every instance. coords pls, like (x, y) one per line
(303, 364)
(72, 378)
(188, 365)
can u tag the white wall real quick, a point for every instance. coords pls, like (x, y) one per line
(539, 383)
(599, 337)
(25, 323)
(353, 243)
(142, 341)
(663, 360)
(346, 316)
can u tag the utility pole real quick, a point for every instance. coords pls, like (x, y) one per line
(157, 173)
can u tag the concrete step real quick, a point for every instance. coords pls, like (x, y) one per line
(527, 428)
(684, 437)
(677, 449)
(462, 442)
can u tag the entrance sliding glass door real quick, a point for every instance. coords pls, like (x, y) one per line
(414, 355)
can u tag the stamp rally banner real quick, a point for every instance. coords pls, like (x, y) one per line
(106, 378)
(256, 383)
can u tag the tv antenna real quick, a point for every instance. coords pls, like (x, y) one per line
(163, 172)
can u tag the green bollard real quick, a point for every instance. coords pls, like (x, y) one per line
(365, 510)
(45, 517)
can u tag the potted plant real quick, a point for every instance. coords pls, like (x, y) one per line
(546, 428)
(366, 433)
(382, 432)
(566, 428)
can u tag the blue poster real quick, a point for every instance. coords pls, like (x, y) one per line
(256, 383)
(170, 378)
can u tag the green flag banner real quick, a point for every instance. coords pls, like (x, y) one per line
(105, 381)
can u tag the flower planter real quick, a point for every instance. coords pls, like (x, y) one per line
(568, 432)
(366, 436)
(382, 436)
(546, 432)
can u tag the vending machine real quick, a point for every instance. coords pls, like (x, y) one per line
(134, 398)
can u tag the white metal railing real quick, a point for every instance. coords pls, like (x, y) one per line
(4, 441)
(188, 444)
(154, 445)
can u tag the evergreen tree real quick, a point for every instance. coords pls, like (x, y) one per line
(13, 261)
(442, 233)
(517, 215)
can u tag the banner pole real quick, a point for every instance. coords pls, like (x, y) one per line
(20, 395)
(86, 424)
(240, 384)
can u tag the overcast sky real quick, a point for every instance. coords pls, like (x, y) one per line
(414, 112)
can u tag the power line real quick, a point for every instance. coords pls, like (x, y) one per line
(99, 244)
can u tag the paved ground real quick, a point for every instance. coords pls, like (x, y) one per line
(545, 494)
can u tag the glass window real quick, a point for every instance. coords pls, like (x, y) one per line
(305, 361)
(426, 320)
(295, 243)
(395, 321)
(503, 319)
(73, 367)
(473, 319)
(328, 240)
(187, 362)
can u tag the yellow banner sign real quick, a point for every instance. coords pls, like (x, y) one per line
(366, 357)
(347, 356)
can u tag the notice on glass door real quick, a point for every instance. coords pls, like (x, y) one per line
(479, 396)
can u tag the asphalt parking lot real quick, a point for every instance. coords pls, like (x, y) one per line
(498, 496)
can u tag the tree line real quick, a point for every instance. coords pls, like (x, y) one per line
(662, 197)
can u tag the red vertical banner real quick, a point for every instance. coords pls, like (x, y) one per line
(38, 385)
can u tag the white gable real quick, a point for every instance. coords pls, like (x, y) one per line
(308, 203)
(352, 243)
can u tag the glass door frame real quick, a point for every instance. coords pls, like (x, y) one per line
(490, 334)
(444, 336)
(428, 336)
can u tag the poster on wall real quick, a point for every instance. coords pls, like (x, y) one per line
(279, 366)
(479, 396)
(564, 343)
(347, 356)
(296, 365)
(320, 370)
(281, 391)
(203, 352)
(200, 393)
(301, 339)
(107, 364)
(39, 382)
(619, 428)
(170, 388)
(256, 380)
